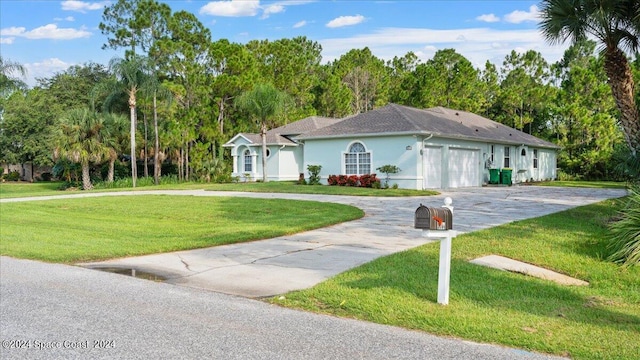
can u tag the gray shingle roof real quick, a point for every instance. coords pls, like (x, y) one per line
(439, 121)
(283, 135)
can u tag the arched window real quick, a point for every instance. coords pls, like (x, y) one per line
(523, 152)
(357, 160)
(247, 161)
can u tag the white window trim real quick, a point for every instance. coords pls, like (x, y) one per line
(507, 149)
(366, 150)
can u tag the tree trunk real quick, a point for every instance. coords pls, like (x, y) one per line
(86, 178)
(263, 134)
(132, 137)
(112, 165)
(156, 145)
(622, 87)
(221, 115)
(146, 148)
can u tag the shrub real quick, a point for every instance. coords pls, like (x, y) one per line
(12, 176)
(332, 180)
(353, 180)
(625, 233)
(46, 176)
(314, 174)
(388, 170)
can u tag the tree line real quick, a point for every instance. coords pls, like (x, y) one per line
(172, 97)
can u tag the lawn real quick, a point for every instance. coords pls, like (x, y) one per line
(25, 189)
(599, 321)
(21, 189)
(585, 184)
(89, 229)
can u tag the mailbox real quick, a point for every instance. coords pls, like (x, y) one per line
(428, 218)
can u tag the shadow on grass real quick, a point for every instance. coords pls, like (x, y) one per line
(491, 288)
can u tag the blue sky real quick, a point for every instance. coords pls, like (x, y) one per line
(48, 36)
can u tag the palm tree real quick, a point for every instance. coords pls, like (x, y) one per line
(114, 137)
(131, 76)
(80, 141)
(616, 24)
(8, 80)
(263, 101)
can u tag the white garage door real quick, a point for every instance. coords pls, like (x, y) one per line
(464, 168)
(432, 165)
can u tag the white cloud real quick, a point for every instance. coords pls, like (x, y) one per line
(44, 69)
(345, 21)
(233, 8)
(479, 45)
(68, 18)
(83, 6)
(272, 9)
(7, 40)
(50, 31)
(490, 18)
(12, 31)
(518, 16)
(299, 24)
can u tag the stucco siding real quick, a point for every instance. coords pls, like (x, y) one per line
(402, 151)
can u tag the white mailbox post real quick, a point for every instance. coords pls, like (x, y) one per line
(440, 227)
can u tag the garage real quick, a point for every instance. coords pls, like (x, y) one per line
(464, 168)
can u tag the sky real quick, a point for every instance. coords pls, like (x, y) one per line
(48, 36)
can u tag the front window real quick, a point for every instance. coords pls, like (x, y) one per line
(535, 158)
(247, 161)
(357, 160)
(507, 157)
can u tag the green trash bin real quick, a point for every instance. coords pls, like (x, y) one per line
(505, 176)
(494, 176)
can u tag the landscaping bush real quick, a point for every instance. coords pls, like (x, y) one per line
(12, 176)
(625, 233)
(46, 176)
(314, 174)
(366, 180)
(388, 170)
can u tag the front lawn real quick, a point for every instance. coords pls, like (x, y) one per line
(599, 321)
(585, 184)
(77, 230)
(22, 189)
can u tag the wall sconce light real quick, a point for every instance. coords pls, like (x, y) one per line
(409, 147)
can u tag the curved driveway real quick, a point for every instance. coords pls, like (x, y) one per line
(65, 308)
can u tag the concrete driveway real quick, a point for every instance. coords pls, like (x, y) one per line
(293, 262)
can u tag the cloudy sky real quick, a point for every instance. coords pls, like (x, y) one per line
(49, 36)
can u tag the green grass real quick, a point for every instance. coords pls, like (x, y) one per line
(599, 321)
(12, 190)
(90, 229)
(585, 184)
(25, 189)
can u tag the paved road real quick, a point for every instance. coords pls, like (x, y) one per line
(63, 306)
(59, 306)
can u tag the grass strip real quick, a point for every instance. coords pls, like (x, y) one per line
(599, 321)
(76, 230)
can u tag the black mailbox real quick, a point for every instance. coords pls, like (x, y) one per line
(428, 218)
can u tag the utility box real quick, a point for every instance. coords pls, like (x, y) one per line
(428, 218)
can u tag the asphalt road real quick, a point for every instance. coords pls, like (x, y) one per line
(50, 311)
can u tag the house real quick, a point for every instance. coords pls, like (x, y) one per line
(284, 154)
(435, 148)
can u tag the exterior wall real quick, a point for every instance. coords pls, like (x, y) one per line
(402, 151)
(522, 165)
(290, 163)
(283, 163)
(25, 170)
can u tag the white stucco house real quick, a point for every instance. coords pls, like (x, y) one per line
(436, 148)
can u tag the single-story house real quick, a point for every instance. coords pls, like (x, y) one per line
(285, 157)
(435, 148)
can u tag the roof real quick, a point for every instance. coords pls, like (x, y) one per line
(439, 121)
(283, 135)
